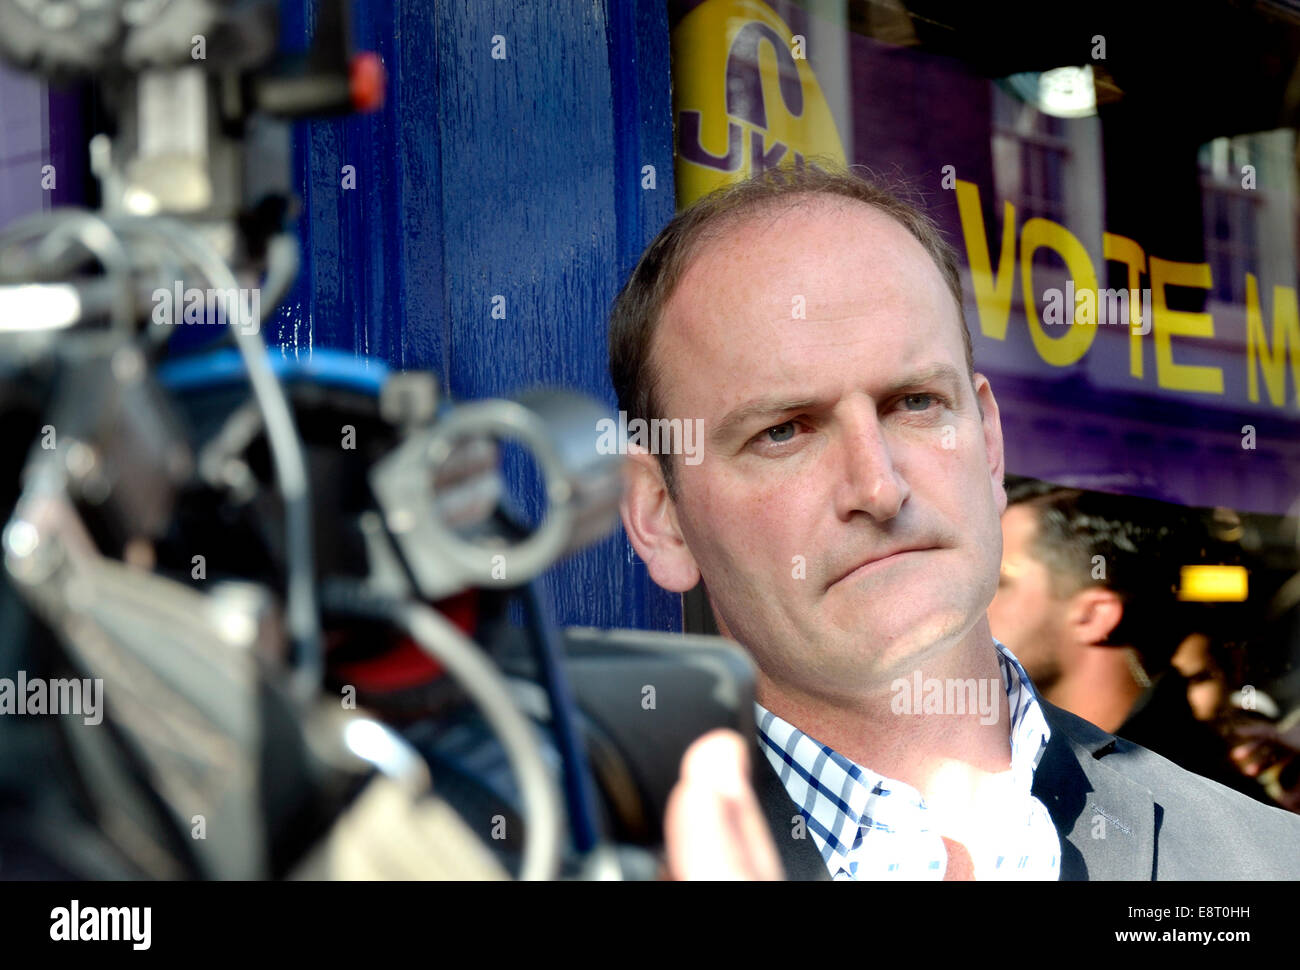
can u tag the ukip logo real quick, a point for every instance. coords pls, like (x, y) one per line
(745, 97)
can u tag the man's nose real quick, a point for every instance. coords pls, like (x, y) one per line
(868, 480)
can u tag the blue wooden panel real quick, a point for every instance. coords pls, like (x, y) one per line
(372, 258)
(517, 177)
(642, 101)
(25, 139)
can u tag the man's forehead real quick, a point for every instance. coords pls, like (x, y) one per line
(802, 233)
(828, 280)
(813, 258)
(1021, 521)
(1019, 529)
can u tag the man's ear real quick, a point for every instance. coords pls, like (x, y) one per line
(650, 518)
(993, 449)
(1093, 613)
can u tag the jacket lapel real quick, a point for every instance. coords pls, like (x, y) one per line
(1106, 823)
(799, 856)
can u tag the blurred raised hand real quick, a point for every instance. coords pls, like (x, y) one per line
(713, 826)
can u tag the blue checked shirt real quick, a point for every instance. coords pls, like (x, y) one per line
(871, 827)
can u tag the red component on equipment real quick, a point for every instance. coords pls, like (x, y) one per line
(462, 610)
(366, 81)
(404, 666)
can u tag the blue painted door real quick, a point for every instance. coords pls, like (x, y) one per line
(505, 169)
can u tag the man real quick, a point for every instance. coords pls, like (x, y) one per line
(1087, 601)
(1198, 659)
(845, 522)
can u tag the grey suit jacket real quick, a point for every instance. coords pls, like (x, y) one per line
(1154, 820)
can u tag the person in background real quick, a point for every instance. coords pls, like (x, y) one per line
(1263, 744)
(1198, 660)
(1087, 600)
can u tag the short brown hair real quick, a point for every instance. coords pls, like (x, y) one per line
(639, 306)
(1142, 545)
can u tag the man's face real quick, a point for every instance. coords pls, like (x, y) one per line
(1207, 683)
(821, 347)
(1024, 614)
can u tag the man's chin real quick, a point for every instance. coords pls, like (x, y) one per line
(904, 638)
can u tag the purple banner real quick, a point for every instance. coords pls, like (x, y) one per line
(1129, 244)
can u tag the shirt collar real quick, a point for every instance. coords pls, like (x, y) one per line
(841, 798)
(1029, 729)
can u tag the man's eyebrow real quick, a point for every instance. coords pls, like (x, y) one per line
(760, 407)
(765, 407)
(938, 373)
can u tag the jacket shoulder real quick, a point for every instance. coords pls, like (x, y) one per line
(1203, 830)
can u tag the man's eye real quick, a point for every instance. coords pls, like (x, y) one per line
(923, 400)
(780, 433)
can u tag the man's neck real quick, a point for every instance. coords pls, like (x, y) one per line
(945, 756)
(1102, 689)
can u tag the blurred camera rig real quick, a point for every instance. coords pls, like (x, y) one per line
(310, 660)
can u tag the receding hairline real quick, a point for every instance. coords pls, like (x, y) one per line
(773, 208)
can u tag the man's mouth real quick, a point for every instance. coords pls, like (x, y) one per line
(884, 561)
